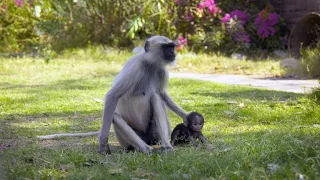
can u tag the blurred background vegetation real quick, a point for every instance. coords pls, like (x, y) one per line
(222, 27)
(42, 25)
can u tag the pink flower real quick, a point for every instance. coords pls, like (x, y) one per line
(177, 2)
(19, 3)
(188, 16)
(211, 6)
(226, 18)
(30, 3)
(182, 42)
(265, 23)
(4, 7)
(243, 17)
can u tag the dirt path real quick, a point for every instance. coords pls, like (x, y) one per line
(288, 85)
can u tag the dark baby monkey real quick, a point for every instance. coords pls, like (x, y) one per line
(185, 134)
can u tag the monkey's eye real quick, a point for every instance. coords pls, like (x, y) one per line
(200, 124)
(194, 124)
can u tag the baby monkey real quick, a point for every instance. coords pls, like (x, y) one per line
(184, 134)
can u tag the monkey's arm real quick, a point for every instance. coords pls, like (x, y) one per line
(111, 100)
(107, 116)
(203, 139)
(174, 107)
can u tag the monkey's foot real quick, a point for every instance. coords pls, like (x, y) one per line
(162, 149)
(104, 149)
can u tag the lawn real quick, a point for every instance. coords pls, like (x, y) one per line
(256, 133)
(190, 62)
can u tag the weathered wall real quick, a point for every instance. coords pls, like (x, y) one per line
(293, 10)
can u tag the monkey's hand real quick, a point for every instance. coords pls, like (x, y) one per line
(104, 146)
(162, 149)
(193, 142)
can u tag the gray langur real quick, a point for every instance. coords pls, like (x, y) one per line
(137, 102)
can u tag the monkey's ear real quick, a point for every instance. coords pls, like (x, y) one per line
(146, 46)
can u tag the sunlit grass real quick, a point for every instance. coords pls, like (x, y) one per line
(186, 62)
(256, 133)
(214, 64)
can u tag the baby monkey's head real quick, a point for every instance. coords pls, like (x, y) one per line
(195, 121)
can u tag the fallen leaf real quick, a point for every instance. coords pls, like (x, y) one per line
(187, 176)
(241, 105)
(228, 113)
(87, 164)
(273, 167)
(209, 147)
(226, 149)
(232, 102)
(143, 173)
(65, 167)
(140, 172)
(186, 101)
(300, 177)
(98, 100)
(115, 171)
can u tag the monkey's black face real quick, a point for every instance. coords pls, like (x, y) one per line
(195, 121)
(168, 51)
(196, 125)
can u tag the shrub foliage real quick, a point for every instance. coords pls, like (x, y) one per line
(202, 25)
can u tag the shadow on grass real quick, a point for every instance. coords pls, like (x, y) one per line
(76, 83)
(252, 94)
(80, 84)
(38, 94)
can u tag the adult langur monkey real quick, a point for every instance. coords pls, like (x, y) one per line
(136, 103)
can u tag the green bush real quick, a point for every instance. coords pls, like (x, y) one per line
(78, 23)
(203, 23)
(311, 60)
(315, 94)
(17, 24)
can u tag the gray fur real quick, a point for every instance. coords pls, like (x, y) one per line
(138, 96)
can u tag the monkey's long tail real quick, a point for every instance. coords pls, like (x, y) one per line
(55, 136)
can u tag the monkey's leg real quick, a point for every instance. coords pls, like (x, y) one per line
(126, 136)
(174, 137)
(144, 136)
(161, 124)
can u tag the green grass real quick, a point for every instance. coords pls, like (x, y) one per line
(251, 129)
(213, 64)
